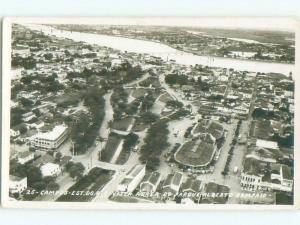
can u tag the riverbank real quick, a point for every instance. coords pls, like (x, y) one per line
(165, 52)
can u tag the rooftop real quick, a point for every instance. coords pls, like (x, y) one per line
(254, 167)
(15, 178)
(135, 170)
(266, 144)
(25, 154)
(191, 185)
(52, 135)
(195, 154)
(286, 172)
(261, 129)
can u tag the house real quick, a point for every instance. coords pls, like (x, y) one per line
(50, 169)
(46, 158)
(172, 183)
(132, 179)
(190, 191)
(14, 132)
(150, 182)
(37, 125)
(215, 194)
(51, 139)
(28, 116)
(17, 184)
(25, 157)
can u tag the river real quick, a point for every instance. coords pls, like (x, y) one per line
(165, 52)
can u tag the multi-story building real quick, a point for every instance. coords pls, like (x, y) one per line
(52, 139)
(258, 175)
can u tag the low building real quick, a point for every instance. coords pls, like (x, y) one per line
(150, 183)
(215, 194)
(132, 179)
(17, 184)
(28, 116)
(172, 183)
(14, 132)
(37, 125)
(272, 145)
(50, 169)
(52, 139)
(190, 191)
(25, 157)
(44, 159)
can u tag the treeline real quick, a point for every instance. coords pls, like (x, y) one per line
(155, 142)
(85, 131)
(176, 79)
(46, 84)
(27, 63)
(119, 75)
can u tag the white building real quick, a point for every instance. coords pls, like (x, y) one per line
(266, 144)
(132, 179)
(50, 169)
(17, 184)
(37, 125)
(51, 139)
(28, 116)
(25, 157)
(14, 133)
(254, 177)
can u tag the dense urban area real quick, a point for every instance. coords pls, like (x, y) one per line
(93, 123)
(240, 44)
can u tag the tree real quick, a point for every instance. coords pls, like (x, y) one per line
(153, 163)
(130, 140)
(155, 141)
(58, 156)
(148, 101)
(149, 117)
(23, 129)
(171, 79)
(52, 186)
(174, 104)
(76, 171)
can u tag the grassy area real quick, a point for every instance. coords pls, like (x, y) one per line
(150, 81)
(122, 124)
(68, 97)
(165, 97)
(137, 93)
(94, 181)
(111, 146)
(123, 157)
(140, 126)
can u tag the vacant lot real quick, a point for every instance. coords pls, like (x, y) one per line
(122, 124)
